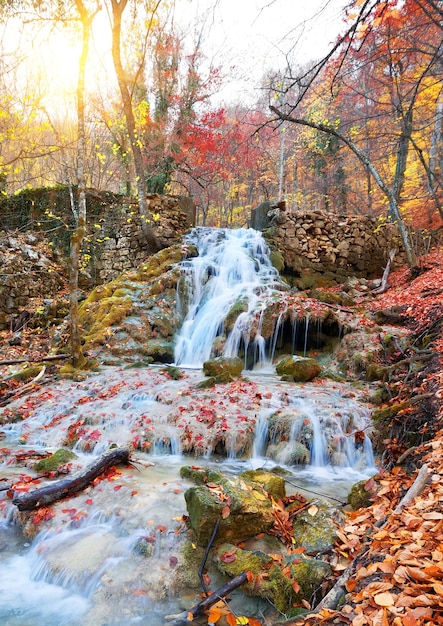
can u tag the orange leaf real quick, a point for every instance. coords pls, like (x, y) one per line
(249, 575)
(384, 599)
(409, 620)
(254, 622)
(295, 586)
(226, 511)
(190, 616)
(214, 616)
(350, 585)
(231, 619)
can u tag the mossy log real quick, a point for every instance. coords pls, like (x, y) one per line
(69, 486)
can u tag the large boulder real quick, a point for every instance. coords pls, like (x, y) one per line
(243, 509)
(282, 582)
(298, 369)
(222, 368)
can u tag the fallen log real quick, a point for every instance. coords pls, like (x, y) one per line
(38, 359)
(68, 486)
(187, 616)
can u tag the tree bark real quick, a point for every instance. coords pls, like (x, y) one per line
(118, 7)
(69, 486)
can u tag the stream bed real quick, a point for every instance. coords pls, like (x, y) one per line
(85, 566)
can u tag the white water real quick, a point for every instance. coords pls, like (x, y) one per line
(232, 266)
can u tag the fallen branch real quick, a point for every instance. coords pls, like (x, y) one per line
(332, 598)
(25, 388)
(40, 359)
(384, 281)
(206, 603)
(68, 486)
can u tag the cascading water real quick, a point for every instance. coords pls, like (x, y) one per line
(91, 570)
(232, 269)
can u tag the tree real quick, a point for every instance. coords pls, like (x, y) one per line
(118, 7)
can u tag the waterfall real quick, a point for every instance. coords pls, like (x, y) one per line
(232, 273)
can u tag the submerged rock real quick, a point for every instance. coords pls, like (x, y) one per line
(223, 367)
(299, 369)
(56, 460)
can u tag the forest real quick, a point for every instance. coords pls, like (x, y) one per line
(117, 97)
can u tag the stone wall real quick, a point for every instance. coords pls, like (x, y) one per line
(331, 245)
(119, 243)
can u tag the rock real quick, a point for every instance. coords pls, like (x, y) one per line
(249, 510)
(314, 528)
(300, 369)
(361, 495)
(274, 581)
(222, 366)
(271, 483)
(56, 460)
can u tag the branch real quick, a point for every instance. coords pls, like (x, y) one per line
(206, 603)
(69, 486)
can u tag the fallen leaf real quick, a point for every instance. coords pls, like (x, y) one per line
(384, 599)
(313, 510)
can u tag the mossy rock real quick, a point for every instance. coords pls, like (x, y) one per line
(159, 351)
(27, 373)
(314, 528)
(299, 369)
(269, 580)
(207, 383)
(383, 416)
(56, 460)
(277, 260)
(200, 475)
(222, 366)
(360, 497)
(237, 308)
(376, 372)
(249, 510)
(271, 483)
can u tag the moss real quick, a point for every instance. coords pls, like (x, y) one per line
(200, 476)
(273, 484)
(192, 558)
(207, 383)
(377, 372)
(359, 496)
(237, 308)
(27, 373)
(316, 533)
(383, 416)
(277, 260)
(223, 365)
(56, 460)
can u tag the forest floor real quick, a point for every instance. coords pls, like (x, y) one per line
(395, 552)
(392, 555)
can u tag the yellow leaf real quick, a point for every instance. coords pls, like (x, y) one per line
(258, 495)
(242, 620)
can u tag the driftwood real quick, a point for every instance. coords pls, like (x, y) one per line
(25, 388)
(384, 281)
(206, 603)
(332, 598)
(39, 359)
(68, 486)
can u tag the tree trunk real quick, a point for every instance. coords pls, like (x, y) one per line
(79, 232)
(118, 7)
(69, 486)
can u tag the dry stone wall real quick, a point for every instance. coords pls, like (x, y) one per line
(119, 244)
(331, 245)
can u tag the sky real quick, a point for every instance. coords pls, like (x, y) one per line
(251, 36)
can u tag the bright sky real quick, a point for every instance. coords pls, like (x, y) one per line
(243, 37)
(255, 35)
